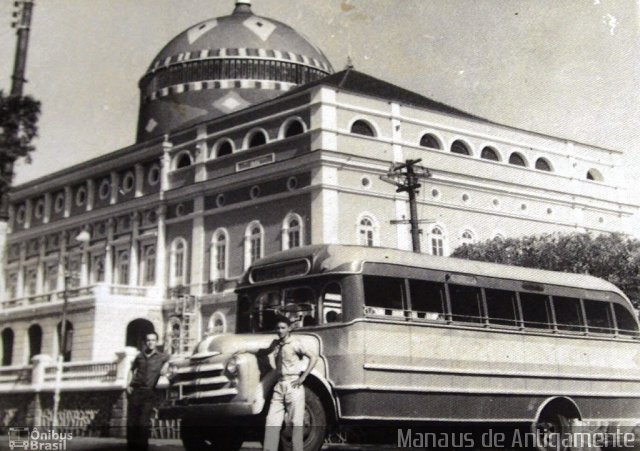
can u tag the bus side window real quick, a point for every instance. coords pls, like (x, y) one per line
(502, 308)
(598, 316)
(568, 313)
(465, 303)
(627, 325)
(427, 299)
(384, 295)
(332, 303)
(535, 310)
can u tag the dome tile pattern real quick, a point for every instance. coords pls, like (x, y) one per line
(253, 57)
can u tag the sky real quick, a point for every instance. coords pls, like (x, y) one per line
(566, 68)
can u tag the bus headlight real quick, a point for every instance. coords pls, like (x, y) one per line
(231, 367)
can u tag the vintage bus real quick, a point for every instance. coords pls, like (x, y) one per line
(406, 339)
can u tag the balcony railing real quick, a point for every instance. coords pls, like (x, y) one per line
(72, 293)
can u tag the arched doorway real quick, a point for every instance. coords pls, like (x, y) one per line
(35, 340)
(68, 344)
(7, 346)
(136, 332)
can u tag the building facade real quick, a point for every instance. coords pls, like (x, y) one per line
(249, 143)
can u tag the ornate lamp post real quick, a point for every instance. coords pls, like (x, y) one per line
(83, 237)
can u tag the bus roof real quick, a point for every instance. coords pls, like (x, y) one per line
(326, 258)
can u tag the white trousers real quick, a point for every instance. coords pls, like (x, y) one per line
(286, 405)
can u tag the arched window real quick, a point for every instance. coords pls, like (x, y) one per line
(467, 237)
(516, 159)
(219, 255)
(253, 243)
(149, 265)
(68, 342)
(256, 138)
(361, 127)
(489, 153)
(183, 160)
(543, 165)
(292, 235)
(35, 340)
(31, 281)
(217, 324)
(367, 231)
(460, 147)
(178, 275)
(293, 127)
(7, 346)
(595, 175)
(429, 140)
(437, 241)
(12, 285)
(222, 148)
(122, 267)
(97, 268)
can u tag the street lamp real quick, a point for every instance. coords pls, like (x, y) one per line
(83, 237)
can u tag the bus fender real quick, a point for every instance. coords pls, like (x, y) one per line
(560, 404)
(322, 388)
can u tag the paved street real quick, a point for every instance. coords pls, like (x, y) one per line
(111, 444)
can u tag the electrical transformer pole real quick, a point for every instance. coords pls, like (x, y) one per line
(406, 177)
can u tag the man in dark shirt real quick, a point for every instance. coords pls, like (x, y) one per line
(146, 370)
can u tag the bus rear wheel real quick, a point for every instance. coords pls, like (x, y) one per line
(315, 424)
(551, 432)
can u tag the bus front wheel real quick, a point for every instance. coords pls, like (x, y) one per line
(315, 424)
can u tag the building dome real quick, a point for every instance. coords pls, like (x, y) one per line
(223, 65)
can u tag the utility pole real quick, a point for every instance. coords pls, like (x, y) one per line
(22, 24)
(406, 177)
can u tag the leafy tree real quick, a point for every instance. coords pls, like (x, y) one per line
(18, 127)
(614, 257)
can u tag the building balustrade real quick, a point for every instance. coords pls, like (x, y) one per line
(41, 374)
(85, 291)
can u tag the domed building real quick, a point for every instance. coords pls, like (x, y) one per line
(223, 65)
(248, 143)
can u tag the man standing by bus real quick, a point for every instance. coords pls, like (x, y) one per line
(287, 402)
(145, 371)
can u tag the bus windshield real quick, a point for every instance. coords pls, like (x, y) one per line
(304, 302)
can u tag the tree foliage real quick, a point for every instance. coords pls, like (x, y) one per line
(614, 257)
(18, 127)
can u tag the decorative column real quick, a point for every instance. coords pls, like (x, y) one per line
(134, 251)
(28, 213)
(198, 273)
(40, 268)
(108, 254)
(47, 208)
(67, 201)
(23, 257)
(165, 164)
(161, 251)
(115, 187)
(84, 264)
(91, 194)
(62, 270)
(139, 170)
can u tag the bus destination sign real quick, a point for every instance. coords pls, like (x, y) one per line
(285, 270)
